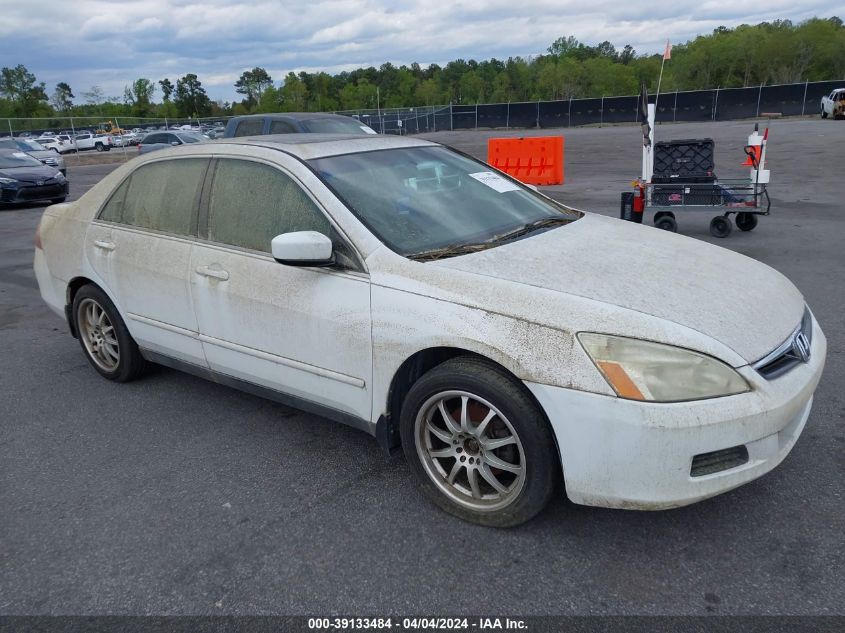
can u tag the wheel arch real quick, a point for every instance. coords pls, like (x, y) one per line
(411, 369)
(73, 287)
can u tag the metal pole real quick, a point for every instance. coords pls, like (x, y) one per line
(476, 115)
(601, 112)
(122, 140)
(759, 95)
(537, 125)
(715, 104)
(451, 123)
(73, 131)
(804, 100)
(508, 117)
(675, 108)
(569, 114)
(11, 132)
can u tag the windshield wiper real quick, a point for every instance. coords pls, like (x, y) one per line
(450, 251)
(525, 229)
(453, 250)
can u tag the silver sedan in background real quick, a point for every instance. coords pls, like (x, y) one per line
(36, 150)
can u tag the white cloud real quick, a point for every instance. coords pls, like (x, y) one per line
(112, 42)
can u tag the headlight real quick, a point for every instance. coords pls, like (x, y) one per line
(59, 177)
(642, 370)
(7, 181)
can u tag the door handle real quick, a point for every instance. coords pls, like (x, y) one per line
(104, 245)
(205, 271)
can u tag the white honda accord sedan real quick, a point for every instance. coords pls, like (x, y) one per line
(506, 342)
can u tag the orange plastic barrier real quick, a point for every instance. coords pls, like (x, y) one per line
(535, 161)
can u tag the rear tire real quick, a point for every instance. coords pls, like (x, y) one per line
(494, 461)
(746, 221)
(105, 341)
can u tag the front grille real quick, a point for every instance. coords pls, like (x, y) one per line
(717, 461)
(40, 193)
(785, 357)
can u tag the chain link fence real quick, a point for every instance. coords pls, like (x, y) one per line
(698, 105)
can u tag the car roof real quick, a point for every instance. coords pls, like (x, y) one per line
(308, 146)
(296, 116)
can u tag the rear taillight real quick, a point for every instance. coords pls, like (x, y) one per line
(38, 236)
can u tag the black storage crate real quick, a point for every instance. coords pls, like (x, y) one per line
(689, 160)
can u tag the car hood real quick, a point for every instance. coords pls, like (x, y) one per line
(29, 174)
(43, 153)
(729, 297)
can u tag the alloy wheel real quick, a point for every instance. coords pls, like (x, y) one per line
(98, 335)
(470, 450)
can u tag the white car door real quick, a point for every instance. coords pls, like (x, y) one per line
(141, 246)
(301, 331)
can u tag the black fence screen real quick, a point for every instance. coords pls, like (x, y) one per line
(699, 105)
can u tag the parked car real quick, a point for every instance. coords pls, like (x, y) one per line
(89, 140)
(294, 122)
(395, 285)
(68, 141)
(55, 143)
(25, 179)
(39, 152)
(834, 104)
(163, 140)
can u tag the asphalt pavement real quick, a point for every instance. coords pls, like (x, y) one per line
(174, 495)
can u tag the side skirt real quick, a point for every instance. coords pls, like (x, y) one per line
(262, 392)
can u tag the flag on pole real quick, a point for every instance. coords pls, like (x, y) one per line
(667, 54)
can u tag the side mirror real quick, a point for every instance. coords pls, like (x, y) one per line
(303, 248)
(175, 143)
(532, 187)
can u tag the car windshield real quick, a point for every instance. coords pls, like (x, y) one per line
(30, 146)
(336, 126)
(422, 200)
(10, 160)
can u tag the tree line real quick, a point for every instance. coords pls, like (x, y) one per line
(748, 55)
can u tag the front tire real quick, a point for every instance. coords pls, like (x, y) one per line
(824, 114)
(478, 445)
(721, 226)
(106, 342)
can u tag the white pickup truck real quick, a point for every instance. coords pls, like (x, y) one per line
(99, 142)
(834, 104)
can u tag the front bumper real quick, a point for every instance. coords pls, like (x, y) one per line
(620, 453)
(27, 192)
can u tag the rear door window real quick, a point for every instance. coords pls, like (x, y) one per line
(163, 196)
(250, 127)
(281, 127)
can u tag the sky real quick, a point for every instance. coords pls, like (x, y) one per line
(109, 43)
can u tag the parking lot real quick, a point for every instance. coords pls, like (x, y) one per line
(174, 495)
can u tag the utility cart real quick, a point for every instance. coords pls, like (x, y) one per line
(745, 199)
(679, 176)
